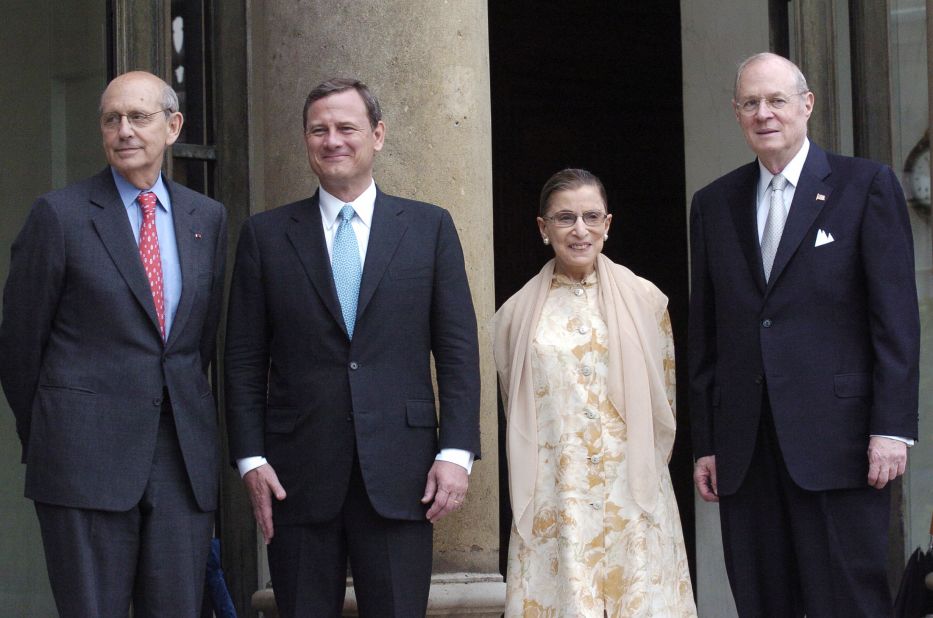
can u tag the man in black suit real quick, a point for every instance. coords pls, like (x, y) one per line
(804, 353)
(109, 320)
(337, 304)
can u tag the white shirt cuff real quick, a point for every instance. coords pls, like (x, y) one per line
(907, 441)
(462, 458)
(249, 463)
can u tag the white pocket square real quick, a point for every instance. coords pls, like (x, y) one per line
(822, 238)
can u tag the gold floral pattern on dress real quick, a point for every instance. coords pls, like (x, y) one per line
(593, 551)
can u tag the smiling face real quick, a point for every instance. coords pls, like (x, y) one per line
(342, 143)
(575, 247)
(136, 151)
(775, 135)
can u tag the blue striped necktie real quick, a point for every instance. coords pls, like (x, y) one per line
(347, 267)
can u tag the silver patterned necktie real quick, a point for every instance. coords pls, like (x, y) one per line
(347, 267)
(774, 226)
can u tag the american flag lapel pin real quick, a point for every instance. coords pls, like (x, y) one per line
(820, 197)
(197, 235)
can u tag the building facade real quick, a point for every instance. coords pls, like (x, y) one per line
(483, 101)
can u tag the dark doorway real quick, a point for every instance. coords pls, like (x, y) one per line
(595, 85)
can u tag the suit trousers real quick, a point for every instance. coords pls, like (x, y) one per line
(390, 561)
(153, 556)
(790, 552)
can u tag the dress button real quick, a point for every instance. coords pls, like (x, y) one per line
(354, 365)
(596, 505)
(586, 370)
(578, 291)
(591, 414)
(583, 330)
(596, 459)
(766, 323)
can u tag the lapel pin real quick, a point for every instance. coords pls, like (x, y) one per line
(820, 197)
(197, 235)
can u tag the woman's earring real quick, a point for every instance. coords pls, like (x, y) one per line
(546, 240)
(605, 237)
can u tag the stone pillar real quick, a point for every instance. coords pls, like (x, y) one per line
(428, 63)
(716, 36)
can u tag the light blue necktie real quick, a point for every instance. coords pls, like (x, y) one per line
(347, 268)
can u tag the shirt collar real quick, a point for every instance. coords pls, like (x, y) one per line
(363, 205)
(129, 193)
(791, 171)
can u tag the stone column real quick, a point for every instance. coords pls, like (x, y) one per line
(716, 36)
(428, 63)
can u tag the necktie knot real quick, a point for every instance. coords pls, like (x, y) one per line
(347, 212)
(778, 182)
(147, 199)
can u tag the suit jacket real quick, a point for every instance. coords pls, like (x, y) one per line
(303, 395)
(82, 361)
(833, 337)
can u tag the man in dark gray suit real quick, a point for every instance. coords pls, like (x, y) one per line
(109, 321)
(337, 304)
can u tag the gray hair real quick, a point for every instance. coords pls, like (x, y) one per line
(169, 100)
(341, 84)
(169, 97)
(799, 80)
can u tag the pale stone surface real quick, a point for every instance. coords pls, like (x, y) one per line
(428, 63)
(714, 145)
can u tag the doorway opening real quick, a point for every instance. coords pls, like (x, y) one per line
(598, 86)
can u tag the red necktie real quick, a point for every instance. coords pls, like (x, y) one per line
(149, 252)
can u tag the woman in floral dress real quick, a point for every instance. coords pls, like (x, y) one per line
(586, 368)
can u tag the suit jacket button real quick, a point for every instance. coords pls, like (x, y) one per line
(759, 379)
(766, 323)
(354, 365)
(350, 417)
(157, 402)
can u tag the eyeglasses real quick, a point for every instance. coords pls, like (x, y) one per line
(750, 106)
(565, 218)
(137, 120)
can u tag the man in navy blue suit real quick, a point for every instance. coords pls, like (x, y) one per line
(338, 303)
(804, 353)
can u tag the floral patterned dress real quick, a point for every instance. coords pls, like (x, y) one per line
(593, 551)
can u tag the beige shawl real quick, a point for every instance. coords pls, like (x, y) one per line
(632, 308)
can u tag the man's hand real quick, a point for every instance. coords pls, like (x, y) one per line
(261, 483)
(447, 486)
(704, 477)
(887, 460)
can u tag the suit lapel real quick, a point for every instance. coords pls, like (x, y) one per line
(804, 209)
(113, 228)
(745, 218)
(387, 229)
(306, 234)
(185, 219)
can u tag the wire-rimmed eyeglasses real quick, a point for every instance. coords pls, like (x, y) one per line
(565, 218)
(138, 120)
(750, 106)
